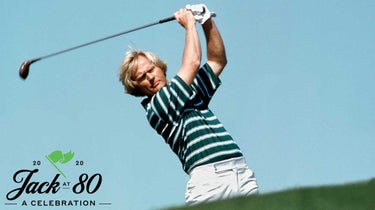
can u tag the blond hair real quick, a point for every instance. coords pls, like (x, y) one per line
(130, 64)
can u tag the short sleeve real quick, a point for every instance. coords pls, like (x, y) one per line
(206, 83)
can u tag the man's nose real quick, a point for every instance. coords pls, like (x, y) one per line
(150, 76)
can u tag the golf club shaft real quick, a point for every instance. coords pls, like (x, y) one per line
(105, 38)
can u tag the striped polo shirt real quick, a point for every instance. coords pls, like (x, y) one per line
(180, 114)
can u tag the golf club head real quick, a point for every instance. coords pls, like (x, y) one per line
(25, 68)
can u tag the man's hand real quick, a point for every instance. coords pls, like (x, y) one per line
(185, 18)
(200, 12)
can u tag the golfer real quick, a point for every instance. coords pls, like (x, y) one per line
(178, 111)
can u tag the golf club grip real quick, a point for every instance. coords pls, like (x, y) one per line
(167, 19)
(213, 14)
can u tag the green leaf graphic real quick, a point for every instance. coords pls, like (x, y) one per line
(58, 156)
(55, 156)
(67, 157)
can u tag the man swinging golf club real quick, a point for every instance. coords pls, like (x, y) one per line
(178, 111)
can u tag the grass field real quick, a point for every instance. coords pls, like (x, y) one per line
(355, 196)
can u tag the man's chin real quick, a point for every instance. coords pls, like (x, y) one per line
(159, 86)
(154, 90)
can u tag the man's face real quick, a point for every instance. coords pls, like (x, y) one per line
(149, 77)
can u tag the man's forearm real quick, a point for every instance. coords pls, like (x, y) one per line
(216, 55)
(191, 56)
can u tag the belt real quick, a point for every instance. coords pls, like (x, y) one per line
(224, 165)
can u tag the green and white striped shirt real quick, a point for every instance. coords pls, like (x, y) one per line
(180, 114)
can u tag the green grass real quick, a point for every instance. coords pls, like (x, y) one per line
(355, 196)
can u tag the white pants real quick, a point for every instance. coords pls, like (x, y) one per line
(220, 180)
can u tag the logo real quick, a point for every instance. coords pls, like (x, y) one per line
(57, 191)
(58, 156)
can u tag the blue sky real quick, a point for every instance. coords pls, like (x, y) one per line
(298, 94)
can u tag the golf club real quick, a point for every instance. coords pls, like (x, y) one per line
(25, 66)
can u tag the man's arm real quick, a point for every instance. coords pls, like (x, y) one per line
(216, 55)
(192, 52)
